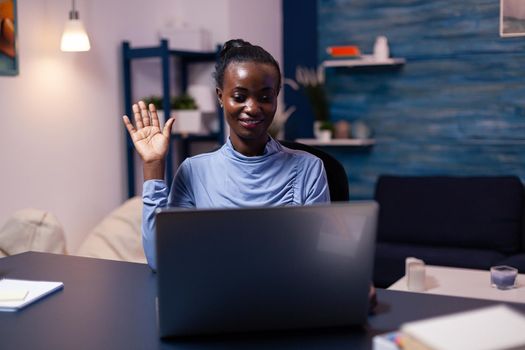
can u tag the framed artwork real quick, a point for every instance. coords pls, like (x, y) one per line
(8, 47)
(512, 18)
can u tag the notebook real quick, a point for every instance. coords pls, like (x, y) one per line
(490, 328)
(16, 294)
(255, 269)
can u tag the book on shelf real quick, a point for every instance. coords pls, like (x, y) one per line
(343, 51)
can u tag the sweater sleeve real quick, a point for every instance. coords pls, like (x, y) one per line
(316, 185)
(154, 195)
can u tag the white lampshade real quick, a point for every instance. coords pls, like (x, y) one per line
(74, 37)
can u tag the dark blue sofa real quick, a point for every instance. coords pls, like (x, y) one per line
(470, 222)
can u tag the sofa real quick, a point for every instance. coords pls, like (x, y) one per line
(117, 237)
(468, 222)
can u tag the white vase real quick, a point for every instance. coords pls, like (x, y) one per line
(317, 128)
(360, 130)
(381, 50)
(162, 119)
(325, 135)
(187, 122)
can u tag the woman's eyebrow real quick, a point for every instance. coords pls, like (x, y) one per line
(243, 89)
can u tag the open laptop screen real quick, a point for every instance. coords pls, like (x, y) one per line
(232, 270)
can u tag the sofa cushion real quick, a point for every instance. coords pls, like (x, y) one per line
(32, 230)
(390, 259)
(463, 212)
(118, 236)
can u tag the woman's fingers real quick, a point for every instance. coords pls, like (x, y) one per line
(154, 116)
(167, 128)
(145, 114)
(137, 115)
(129, 126)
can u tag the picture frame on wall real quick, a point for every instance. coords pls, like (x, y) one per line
(8, 35)
(512, 18)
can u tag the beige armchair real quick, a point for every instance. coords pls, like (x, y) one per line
(117, 237)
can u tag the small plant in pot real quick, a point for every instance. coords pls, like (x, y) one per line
(188, 118)
(326, 129)
(157, 102)
(183, 102)
(311, 81)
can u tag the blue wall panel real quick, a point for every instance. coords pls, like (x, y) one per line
(300, 49)
(456, 108)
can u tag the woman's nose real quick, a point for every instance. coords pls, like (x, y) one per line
(251, 105)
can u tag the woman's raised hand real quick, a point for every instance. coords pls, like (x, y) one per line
(151, 142)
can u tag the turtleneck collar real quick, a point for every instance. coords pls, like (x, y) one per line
(271, 148)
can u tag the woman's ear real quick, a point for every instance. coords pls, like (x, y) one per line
(219, 95)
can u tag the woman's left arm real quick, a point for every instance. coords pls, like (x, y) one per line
(316, 184)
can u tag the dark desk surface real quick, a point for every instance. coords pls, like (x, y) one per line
(111, 305)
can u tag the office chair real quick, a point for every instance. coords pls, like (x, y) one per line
(335, 172)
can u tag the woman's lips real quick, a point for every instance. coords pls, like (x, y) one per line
(250, 123)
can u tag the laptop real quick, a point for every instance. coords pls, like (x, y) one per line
(264, 269)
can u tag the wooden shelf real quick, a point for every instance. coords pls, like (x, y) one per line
(181, 79)
(364, 61)
(339, 142)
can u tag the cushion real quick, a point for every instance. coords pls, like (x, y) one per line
(32, 230)
(118, 236)
(464, 212)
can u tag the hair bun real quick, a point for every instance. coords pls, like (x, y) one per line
(232, 44)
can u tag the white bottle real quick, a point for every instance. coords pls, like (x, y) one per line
(381, 50)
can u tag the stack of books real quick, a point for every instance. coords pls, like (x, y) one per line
(493, 328)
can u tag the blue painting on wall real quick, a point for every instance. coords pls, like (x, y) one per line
(457, 107)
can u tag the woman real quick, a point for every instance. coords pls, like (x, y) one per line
(250, 169)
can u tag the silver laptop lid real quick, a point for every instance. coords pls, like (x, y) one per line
(234, 270)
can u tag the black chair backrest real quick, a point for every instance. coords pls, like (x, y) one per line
(335, 172)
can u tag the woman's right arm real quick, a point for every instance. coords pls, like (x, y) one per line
(151, 143)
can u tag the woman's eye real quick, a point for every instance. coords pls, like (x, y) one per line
(239, 98)
(266, 99)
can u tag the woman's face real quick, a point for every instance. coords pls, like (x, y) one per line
(249, 96)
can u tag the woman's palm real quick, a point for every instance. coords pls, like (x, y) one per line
(151, 142)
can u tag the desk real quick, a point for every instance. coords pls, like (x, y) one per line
(111, 305)
(466, 283)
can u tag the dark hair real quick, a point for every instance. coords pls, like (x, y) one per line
(238, 50)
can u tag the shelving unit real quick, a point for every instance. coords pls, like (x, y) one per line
(339, 142)
(364, 61)
(186, 58)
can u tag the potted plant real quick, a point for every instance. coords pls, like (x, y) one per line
(187, 116)
(326, 129)
(157, 102)
(311, 82)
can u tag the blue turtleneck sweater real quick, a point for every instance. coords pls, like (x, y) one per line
(226, 178)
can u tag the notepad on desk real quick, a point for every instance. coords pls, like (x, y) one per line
(16, 294)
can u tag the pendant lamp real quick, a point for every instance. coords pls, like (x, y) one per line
(74, 38)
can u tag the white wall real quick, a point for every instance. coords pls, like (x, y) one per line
(61, 138)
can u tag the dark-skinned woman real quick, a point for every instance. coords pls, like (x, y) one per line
(250, 169)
